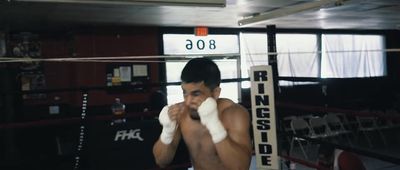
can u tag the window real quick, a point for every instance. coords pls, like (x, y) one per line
(297, 55)
(346, 56)
(225, 53)
(341, 56)
(253, 51)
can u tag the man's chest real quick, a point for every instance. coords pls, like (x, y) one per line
(197, 139)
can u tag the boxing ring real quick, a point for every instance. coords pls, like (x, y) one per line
(87, 140)
(58, 142)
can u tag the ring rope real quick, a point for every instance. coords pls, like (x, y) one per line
(68, 121)
(75, 120)
(361, 151)
(65, 59)
(333, 51)
(147, 85)
(303, 162)
(338, 110)
(185, 56)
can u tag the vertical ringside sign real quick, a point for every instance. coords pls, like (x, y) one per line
(263, 111)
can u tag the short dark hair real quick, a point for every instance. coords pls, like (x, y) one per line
(202, 69)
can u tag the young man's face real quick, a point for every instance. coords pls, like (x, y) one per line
(194, 94)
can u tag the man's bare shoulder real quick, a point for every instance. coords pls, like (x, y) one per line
(224, 103)
(228, 107)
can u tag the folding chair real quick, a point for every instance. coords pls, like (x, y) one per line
(286, 134)
(368, 124)
(336, 126)
(386, 123)
(319, 127)
(300, 128)
(286, 125)
(348, 121)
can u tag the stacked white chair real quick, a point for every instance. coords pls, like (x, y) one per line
(319, 127)
(368, 125)
(336, 126)
(300, 128)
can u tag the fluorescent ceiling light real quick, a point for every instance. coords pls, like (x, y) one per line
(199, 3)
(288, 11)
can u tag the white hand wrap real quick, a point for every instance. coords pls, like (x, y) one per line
(169, 126)
(208, 113)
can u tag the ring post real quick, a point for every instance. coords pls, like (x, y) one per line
(263, 117)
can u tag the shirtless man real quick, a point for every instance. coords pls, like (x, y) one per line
(215, 130)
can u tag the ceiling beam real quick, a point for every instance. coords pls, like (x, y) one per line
(285, 11)
(198, 3)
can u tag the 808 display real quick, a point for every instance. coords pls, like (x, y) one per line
(201, 44)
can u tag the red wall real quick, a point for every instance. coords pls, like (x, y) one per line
(141, 41)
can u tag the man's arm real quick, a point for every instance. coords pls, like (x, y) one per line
(165, 147)
(235, 150)
(165, 153)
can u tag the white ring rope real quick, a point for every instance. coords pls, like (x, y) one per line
(341, 51)
(110, 59)
(186, 56)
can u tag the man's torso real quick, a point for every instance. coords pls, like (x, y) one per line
(198, 140)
